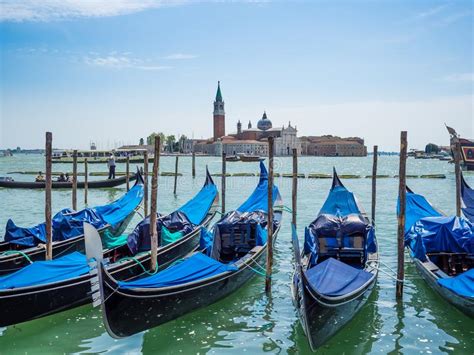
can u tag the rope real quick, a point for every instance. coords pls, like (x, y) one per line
(258, 272)
(285, 208)
(141, 265)
(11, 252)
(389, 275)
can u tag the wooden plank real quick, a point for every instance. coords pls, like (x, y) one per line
(154, 191)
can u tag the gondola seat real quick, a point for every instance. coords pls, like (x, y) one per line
(334, 278)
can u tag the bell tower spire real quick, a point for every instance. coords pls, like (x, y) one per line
(219, 114)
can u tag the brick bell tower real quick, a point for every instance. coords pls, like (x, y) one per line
(219, 114)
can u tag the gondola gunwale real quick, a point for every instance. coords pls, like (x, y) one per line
(198, 283)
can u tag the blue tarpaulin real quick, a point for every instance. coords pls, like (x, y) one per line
(467, 195)
(334, 278)
(340, 202)
(69, 224)
(258, 200)
(462, 285)
(184, 220)
(440, 234)
(43, 272)
(197, 208)
(417, 207)
(194, 268)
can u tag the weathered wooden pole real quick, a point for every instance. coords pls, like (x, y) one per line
(154, 190)
(374, 182)
(48, 187)
(145, 185)
(457, 173)
(74, 180)
(86, 180)
(223, 181)
(294, 195)
(127, 172)
(402, 192)
(175, 174)
(193, 168)
(268, 278)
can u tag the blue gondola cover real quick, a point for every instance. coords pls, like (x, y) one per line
(462, 285)
(69, 224)
(417, 207)
(44, 272)
(334, 278)
(340, 202)
(440, 234)
(197, 208)
(258, 200)
(194, 268)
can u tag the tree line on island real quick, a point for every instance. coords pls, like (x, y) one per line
(170, 143)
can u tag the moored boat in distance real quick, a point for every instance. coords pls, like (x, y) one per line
(48, 287)
(442, 248)
(230, 255)
(467, 149)
(337, 270)
(94, 184)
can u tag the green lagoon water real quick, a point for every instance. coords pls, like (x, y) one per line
(248, 321)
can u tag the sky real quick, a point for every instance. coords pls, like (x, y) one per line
(115, 71)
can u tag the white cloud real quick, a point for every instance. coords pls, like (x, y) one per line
(180, 56)
(47, 10)
(431, 12)
(459, 77)
(122, 62)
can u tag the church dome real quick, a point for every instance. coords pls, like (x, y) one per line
(264, 124)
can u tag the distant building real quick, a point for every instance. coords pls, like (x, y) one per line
(333, 146)
(219, 114)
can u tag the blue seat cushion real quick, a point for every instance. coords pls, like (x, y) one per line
(334, 278)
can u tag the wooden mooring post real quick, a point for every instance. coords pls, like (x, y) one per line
(127, 172)
(175, 174)
(294, 194)
(457, 174)
(223, 182)
(193, 168)
(374, 182)
(48, 187)
(145, 185)
(74, 180)
(268, 278)
(154, 190)
(402, 193)
(86, 180)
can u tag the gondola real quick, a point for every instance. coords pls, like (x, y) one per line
(48, 287)
(97, 184)
(249, 158)
(22, 246)
(467, 197)
(231, 254)
(337, 270)
(442, 249)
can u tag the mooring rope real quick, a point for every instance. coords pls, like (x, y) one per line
(11, 252)
(141, 265)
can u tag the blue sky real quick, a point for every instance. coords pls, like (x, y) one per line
(114, 71)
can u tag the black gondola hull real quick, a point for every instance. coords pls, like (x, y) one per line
(98, 184)
(128, 312)
(464, 304)
(21, 305)
(325, 318)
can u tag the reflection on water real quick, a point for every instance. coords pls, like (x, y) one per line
(248, 321)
